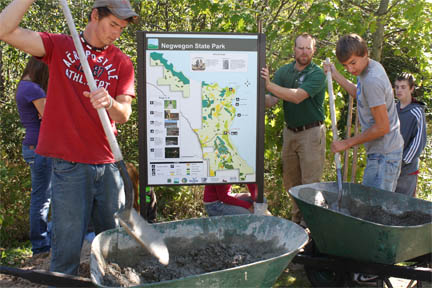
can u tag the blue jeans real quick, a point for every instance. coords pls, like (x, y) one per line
(81, 192)
(219, 208)
(382, 170)
(40, 198)
(407, 184)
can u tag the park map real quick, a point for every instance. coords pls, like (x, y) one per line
(219, 106)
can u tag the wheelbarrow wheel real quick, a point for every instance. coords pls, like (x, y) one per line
(325, 278)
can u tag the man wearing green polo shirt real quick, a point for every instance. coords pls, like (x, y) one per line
(301, 85)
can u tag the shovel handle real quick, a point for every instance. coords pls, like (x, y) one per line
(103, 116)
(333, 112)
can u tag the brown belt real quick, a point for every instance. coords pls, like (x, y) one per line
(31, 147)
(305, 127)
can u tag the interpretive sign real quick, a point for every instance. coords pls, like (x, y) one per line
(199, 107)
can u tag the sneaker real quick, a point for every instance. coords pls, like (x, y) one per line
(365, 278)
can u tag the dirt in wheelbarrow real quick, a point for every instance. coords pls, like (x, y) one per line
(189, 257)
(378, 214)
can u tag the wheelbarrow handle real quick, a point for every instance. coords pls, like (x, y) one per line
(103, 116)
(48, 278)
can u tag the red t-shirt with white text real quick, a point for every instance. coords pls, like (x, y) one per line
(71, 129)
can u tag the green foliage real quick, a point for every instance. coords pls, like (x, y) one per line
(15, 202)
(176, 203)
(424, 184)
(406, 46)
(14, 257)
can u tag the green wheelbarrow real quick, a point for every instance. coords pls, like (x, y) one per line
(284, 239)
(358, 238)
(287, 238)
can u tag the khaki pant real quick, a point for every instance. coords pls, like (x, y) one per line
(303, 157)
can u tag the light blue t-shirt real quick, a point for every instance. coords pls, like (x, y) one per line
(374, 89)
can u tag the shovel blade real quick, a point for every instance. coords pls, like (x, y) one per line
(144, 233)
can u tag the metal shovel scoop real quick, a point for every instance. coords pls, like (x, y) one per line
(134, 224)
(335, 135)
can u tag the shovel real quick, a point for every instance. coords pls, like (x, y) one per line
(335, 135)
(133, 223)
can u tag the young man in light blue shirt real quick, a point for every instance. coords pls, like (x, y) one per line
(377, 113)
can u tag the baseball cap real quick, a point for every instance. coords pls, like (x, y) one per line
(120, 8)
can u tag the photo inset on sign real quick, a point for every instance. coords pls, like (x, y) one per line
(198, 64)
(171, 116)
(171, 141)
(171, 123)
(170, 104)
(225, 64)
(173, 152)
(172, 131)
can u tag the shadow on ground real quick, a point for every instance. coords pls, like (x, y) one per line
(293, 276)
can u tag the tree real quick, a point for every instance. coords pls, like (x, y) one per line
(399, 31)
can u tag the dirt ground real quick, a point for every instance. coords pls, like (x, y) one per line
(43, 264)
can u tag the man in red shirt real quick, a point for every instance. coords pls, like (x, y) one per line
(86, 183)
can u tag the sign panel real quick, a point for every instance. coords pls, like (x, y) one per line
(201, 108)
